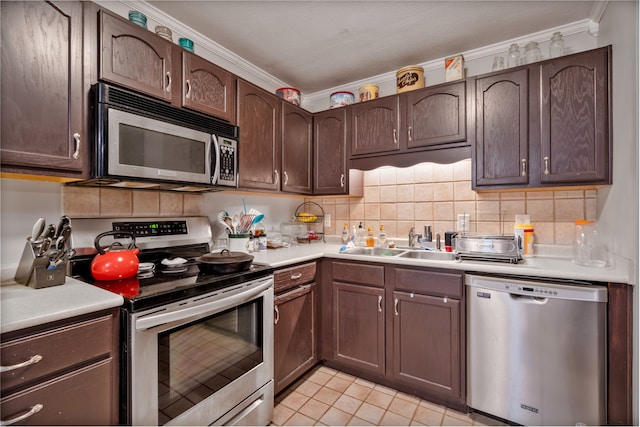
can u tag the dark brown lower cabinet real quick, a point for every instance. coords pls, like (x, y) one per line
(71, 376)
(399, 326)
(295, 349)
(358, 325)
(426, 344)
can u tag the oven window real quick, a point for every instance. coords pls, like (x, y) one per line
(151, 149)
(198, 359)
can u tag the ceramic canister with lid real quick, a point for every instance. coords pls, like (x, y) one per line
(409, 78)
(341, 99)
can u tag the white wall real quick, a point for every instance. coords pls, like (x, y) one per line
(618, 204)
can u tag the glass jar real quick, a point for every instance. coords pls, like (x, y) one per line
(513, 56)
(532, 53)
(498, 63)
(556, 47)
(588, 249)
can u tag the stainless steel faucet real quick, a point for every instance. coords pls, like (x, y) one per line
(413, 237)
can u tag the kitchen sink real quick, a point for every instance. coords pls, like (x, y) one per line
(374, 251)
(422, 254)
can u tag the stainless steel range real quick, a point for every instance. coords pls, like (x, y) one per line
(197, 348)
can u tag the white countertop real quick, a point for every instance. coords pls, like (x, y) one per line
(22, 306)
(554, 263)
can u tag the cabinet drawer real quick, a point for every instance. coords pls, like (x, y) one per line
(60, 349)
(288, 278)
(366, 274)
(82, 397)
(436, 283)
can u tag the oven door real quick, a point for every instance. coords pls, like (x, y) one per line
(205, 360)
(142, 147)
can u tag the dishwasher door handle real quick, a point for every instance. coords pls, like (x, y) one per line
(528, 299)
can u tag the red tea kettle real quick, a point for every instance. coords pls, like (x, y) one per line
(115, 263)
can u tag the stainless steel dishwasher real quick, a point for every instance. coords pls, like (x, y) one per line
(536, 350)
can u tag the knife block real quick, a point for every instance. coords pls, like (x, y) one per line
(34, 271)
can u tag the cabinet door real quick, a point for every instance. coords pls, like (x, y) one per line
(426, 344)
(358, 327)
(502, 131)
(330, 149)
(136, 58)
(260, 138)
(296, 149)
(574, 119)
(294, 335)
(436, 115)
(41, 89)
(375, 126)
(208, 88)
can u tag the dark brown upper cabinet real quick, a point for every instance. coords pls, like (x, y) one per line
(297, 149)
(331, 144)
(136, 58)
(545, 124)
(436, 115)
(259, 119)
(43, 114)
(574, 119)
(208, 88)
(375, 126)
(502, 131)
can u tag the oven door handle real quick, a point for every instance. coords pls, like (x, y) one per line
(207, 308)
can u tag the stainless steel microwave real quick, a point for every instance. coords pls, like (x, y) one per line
(141, 142)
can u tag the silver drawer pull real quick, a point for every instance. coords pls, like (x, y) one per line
(380, 303)
(395, 307)
(546, 165)
(342, 180)
(31, 361)
(276, 316)
(296, 276)
(76, 140)
(34, 410)
(188, 95)
(168, 88)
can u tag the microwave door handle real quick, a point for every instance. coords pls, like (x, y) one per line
(216, 169)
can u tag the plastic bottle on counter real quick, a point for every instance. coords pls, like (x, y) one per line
(360, 235)
(382, 237)
(370, 241)
(345, 234)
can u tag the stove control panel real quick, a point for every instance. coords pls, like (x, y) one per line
(151, 228)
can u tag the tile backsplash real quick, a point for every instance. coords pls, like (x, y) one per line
(435, 194)
(400, 198)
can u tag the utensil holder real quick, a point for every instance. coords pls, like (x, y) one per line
(34, 271)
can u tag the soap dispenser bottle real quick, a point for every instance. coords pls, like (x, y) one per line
(360, 236)
(382, 237)
(345, 234)
(370, 241)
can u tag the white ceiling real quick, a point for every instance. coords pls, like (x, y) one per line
(315, 45)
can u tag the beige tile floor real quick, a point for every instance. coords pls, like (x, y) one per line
(325, 396)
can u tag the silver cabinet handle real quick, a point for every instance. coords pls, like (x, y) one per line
(34, 410)
(276, 317)
(409, 132)
(296, 276)
(277, 176)
(546, 165)
(188, 95)
(380, 303)
(524, 167)
(342, 180)
(286, 178)
(168, 88)
(31, 361)
(395, 136)
(76, 140)
(395, 306)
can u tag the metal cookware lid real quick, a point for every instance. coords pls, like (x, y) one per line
(225, 256)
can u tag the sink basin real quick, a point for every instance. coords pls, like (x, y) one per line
(422, 254)
(374, 251)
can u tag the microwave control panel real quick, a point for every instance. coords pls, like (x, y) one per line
(228, 162)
